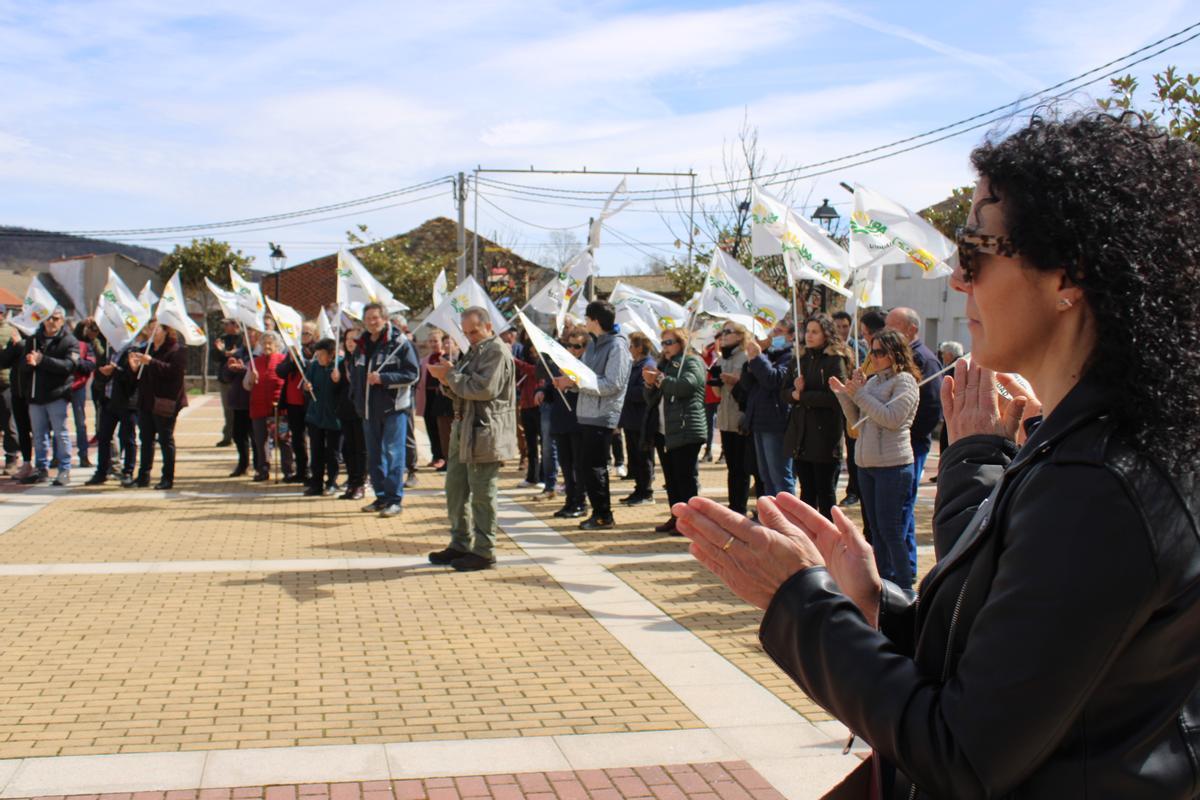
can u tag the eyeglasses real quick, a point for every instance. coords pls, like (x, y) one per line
(879, 353)
(728, 333)
(667, 342)
(970, 245)
(576, 347)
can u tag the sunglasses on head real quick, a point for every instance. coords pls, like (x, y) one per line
(669, 342)
(970, 245)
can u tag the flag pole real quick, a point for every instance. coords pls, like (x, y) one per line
(296, 361)
(796, 325)
(249, 349)
(149, 344)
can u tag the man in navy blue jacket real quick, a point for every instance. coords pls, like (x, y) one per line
(385, 365)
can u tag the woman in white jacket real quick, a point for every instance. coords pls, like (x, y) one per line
(888, 401)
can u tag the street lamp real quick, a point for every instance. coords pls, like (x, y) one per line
(826, 216)
(278, 263)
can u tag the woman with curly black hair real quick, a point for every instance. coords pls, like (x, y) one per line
(1054, 651)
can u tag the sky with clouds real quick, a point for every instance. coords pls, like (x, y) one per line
(146, 113)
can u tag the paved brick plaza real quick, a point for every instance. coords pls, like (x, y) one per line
(229, 635)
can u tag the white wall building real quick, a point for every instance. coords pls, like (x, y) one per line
(943, 310)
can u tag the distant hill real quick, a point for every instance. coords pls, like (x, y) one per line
(20, 246)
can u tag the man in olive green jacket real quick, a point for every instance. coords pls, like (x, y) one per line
(482, 437)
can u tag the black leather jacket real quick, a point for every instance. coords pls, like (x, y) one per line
(1055, 649)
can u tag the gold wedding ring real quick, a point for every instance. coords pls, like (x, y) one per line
(728, 544)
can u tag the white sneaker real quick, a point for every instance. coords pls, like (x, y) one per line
(622, 472)
(62, 479)
(527, 485)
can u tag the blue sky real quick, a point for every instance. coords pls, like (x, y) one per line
(144, 113)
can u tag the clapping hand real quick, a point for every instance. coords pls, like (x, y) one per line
(755, 559)
(972, 405)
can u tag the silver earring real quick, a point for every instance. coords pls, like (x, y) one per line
(1064, 303)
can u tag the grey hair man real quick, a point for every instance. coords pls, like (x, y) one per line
(950, 352)
(483, 435)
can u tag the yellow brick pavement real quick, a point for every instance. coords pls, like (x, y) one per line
(176, 661)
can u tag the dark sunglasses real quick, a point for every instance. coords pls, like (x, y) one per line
(879, 353)
(576, 347)
(970, 245)
(669, 341)
(728, 333)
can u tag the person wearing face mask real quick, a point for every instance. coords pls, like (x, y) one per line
(735, 442)
(766, 411)
(676, 388)
(815, 428)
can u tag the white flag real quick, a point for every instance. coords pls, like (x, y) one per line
(566, 363)
(646, 311)
(324, 327)
(148, 298)
(70, 274)
(558, 295)
(227, 300)
(36, 306)
(172, 311)
(883, 232)
(440, 288)
(732, 293)
(251, 310)
(808, 252)
(119, 314)
(288, 322)
(867, 289)
(357, 288)
(448, 315)
(605, 213)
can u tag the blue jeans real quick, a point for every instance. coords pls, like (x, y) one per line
(887, 504)
(78, 412)
(387, 438)
(49, 421)
(774, 464)
(549, 451)
(920, 454)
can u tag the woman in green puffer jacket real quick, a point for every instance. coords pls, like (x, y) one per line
(677, 395)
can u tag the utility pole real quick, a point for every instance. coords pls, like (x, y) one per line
(692, 224)
(460, 199)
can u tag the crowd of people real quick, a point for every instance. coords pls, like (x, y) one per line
(789, 413)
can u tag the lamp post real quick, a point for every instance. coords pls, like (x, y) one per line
(828, 218)
(278, 264)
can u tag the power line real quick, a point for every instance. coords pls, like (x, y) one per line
(270, 218)
(1011, 109)
(65, 236)
(523, 221)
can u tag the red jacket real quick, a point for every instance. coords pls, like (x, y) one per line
(711, 393)
(265, 394)
(527, 377)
